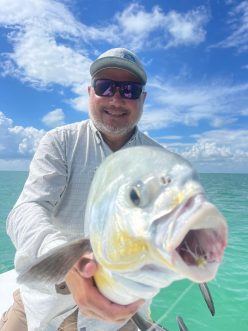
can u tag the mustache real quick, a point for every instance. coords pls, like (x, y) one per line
(115, 109)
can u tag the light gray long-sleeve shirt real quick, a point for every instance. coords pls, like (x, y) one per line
(50, 212)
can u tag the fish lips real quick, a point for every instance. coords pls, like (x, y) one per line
(193, 239)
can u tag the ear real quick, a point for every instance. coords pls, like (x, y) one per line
(89, 89)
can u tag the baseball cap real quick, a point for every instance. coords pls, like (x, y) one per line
(120, 58)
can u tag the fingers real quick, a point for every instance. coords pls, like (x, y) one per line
(111, 312)
(100, 307)
(86, 266)
(91, 302)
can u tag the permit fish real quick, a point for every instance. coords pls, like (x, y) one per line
(148, 222)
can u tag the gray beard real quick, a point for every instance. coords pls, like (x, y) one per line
(114, 131)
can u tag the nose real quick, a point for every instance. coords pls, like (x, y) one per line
(117, 98)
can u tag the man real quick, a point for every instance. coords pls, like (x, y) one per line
(50, 209)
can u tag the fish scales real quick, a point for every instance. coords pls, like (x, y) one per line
(149, 224)
(139, 213)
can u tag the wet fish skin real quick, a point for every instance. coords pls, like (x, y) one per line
(142, 204)
(154, 204)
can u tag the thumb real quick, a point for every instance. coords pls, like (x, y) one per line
(86, 266)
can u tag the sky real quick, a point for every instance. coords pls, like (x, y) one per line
(195, 53)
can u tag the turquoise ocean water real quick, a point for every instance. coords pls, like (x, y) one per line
(229, 290)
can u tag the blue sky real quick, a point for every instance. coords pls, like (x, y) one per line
(195, 54)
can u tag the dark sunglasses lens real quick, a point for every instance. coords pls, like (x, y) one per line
(130, 90)
(104, 87)
(107, 88)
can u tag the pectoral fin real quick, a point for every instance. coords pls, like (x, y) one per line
(53, 266)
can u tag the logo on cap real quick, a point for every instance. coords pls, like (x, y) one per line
(129, 57)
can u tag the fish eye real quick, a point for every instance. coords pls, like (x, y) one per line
(140, 194)
(165, 180)
(135, 196)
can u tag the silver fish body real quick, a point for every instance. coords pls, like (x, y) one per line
(149, 224)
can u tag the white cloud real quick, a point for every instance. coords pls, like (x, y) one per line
(221, 150)
(50, 15)
(154, 119)
(134, 19)
(40, 58)
(236, 139)
(171, 137)
(137, 27)
(135, 24)
(5, 123)
(17, 142)
(49, 47)
(187, 29)
(218, 103)
(81, 102)
(238, 23)
(209, 151)
(54, 118)
(216, 150)
(37, 25)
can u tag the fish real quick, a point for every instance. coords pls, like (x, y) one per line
(148, 223)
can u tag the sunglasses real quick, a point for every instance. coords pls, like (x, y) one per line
(107, 88)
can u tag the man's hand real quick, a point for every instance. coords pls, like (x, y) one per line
(90, 301)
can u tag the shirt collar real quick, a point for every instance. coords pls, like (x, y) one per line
(96, 133)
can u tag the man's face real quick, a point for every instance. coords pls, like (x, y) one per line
(115, 116)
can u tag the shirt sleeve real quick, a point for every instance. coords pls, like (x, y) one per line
(29, 224)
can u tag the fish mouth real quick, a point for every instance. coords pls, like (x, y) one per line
(198, 239)
(198, 252)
